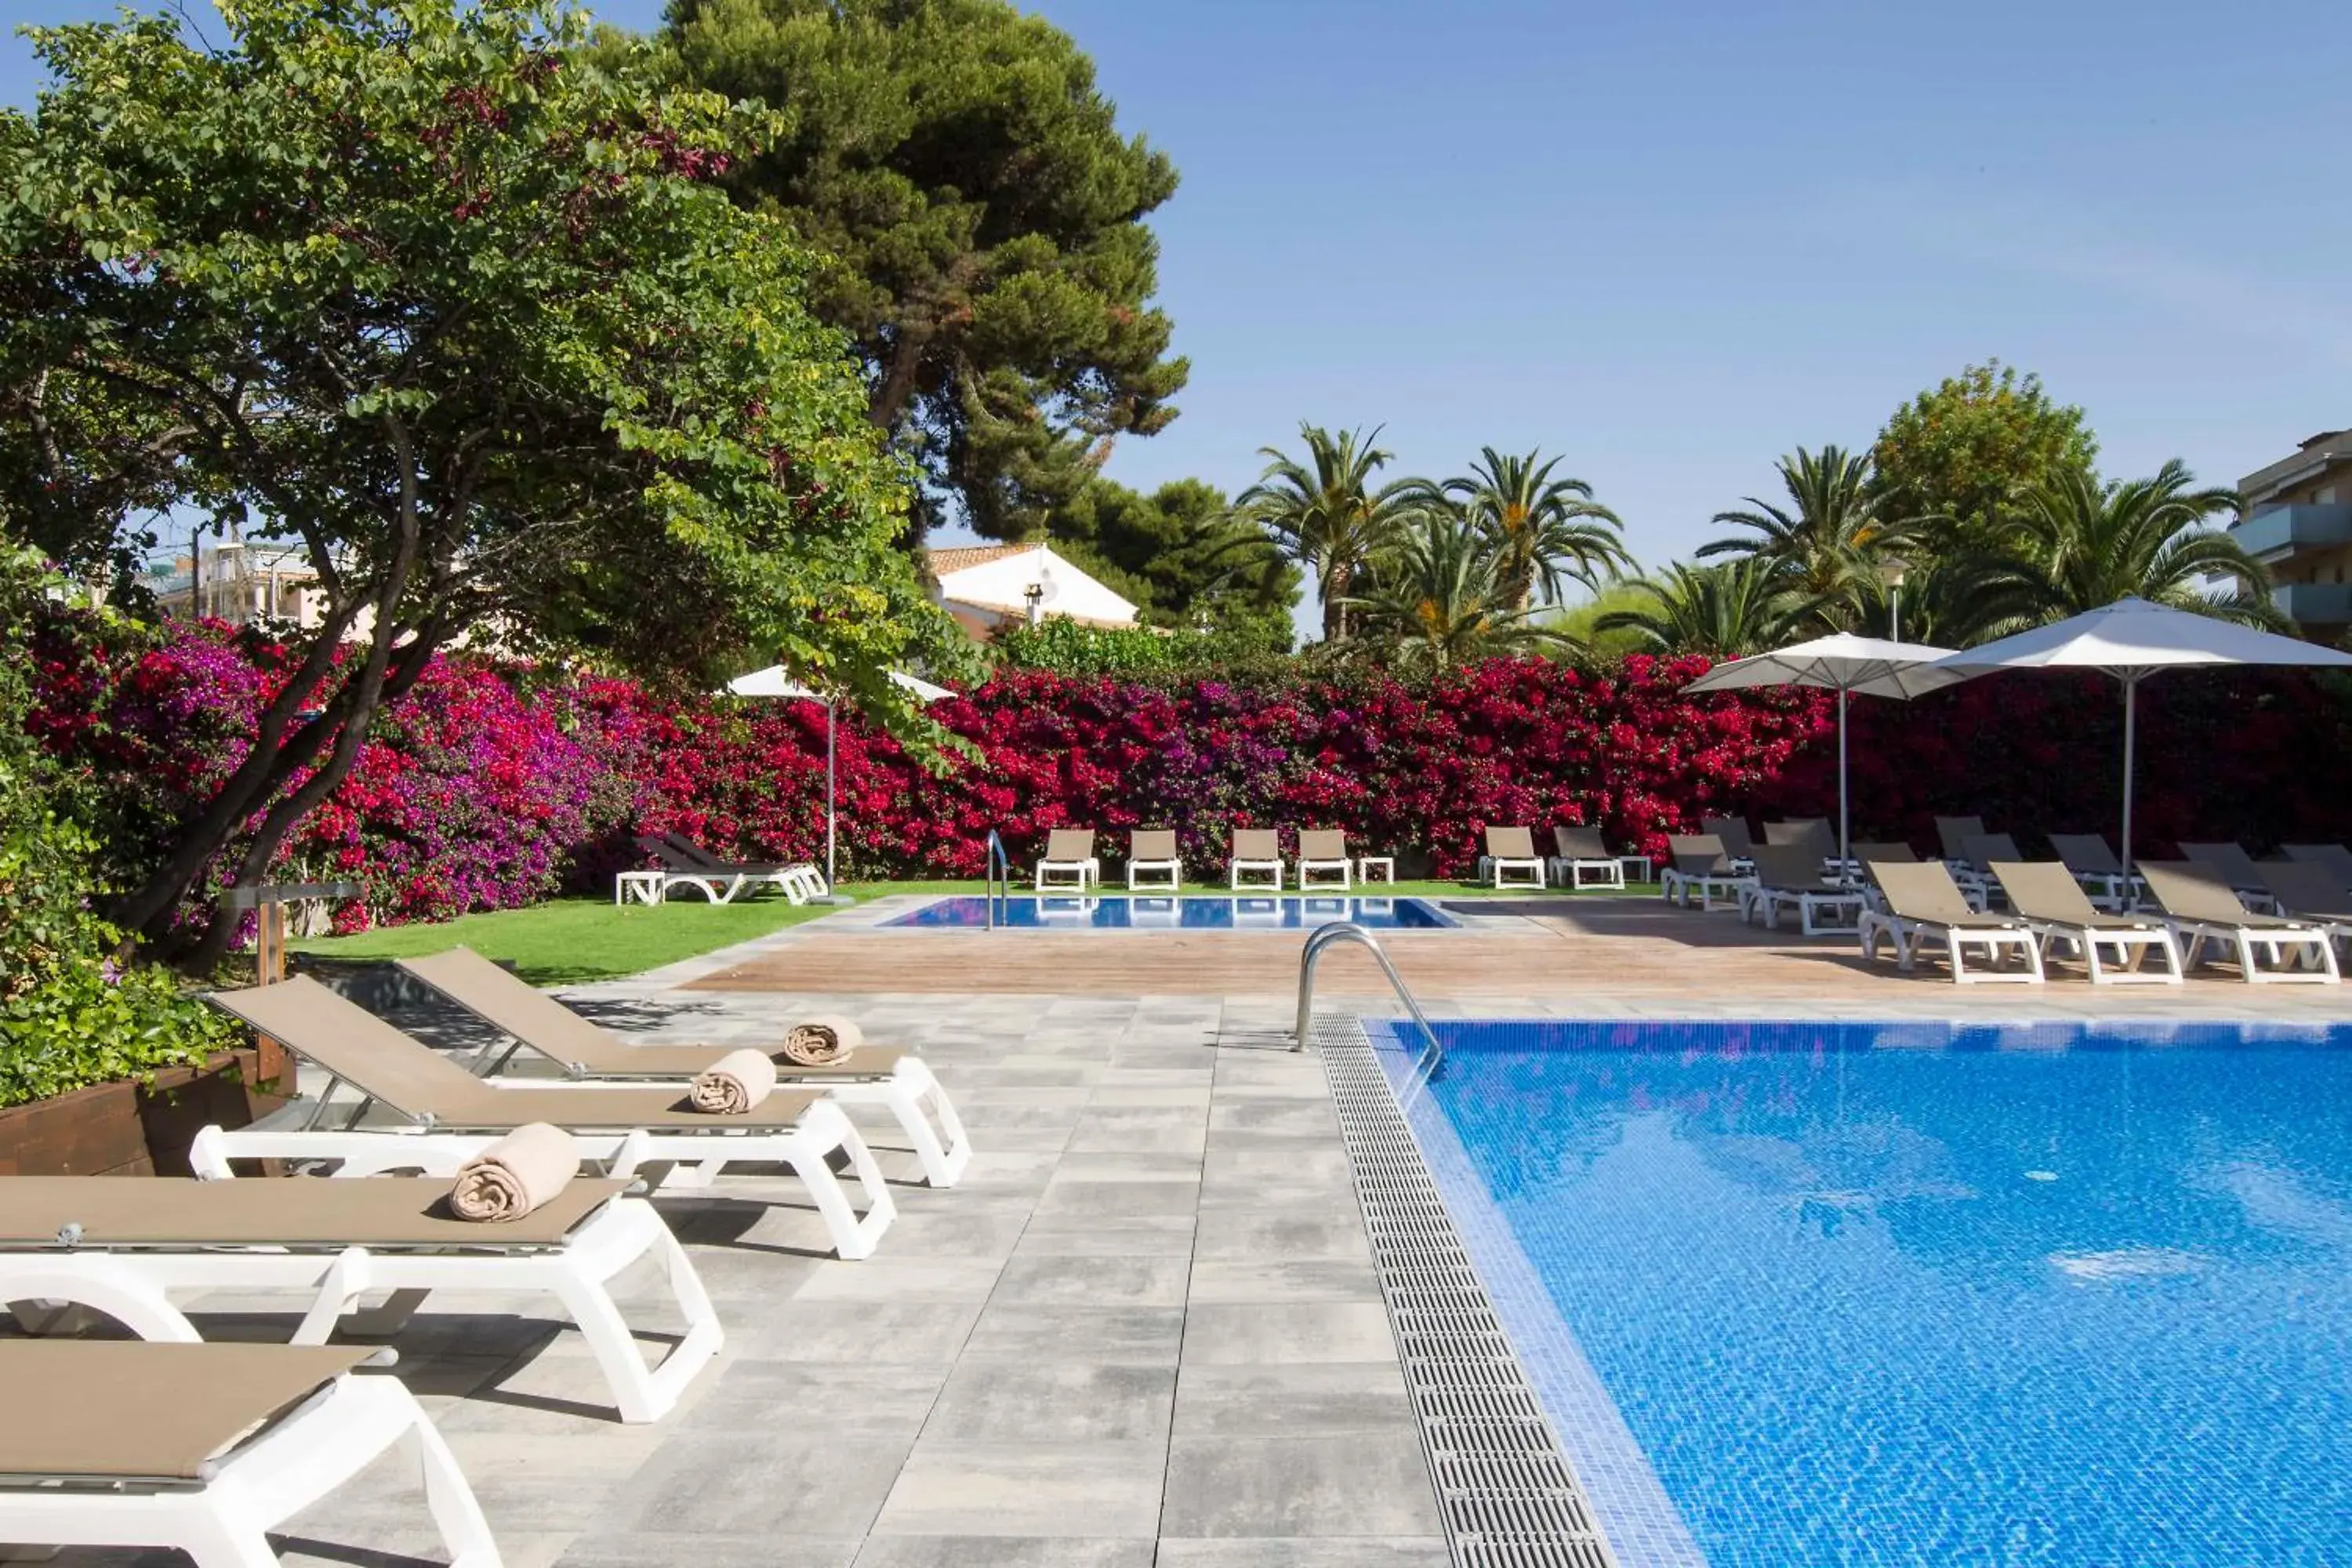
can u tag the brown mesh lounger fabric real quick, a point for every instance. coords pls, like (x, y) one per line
(2231, 860)
(1512, 851)
(2198, 900)
(2335, 858)
(293, 1212)
(206, 1448)
(2307, 888)
(2045, 896)
(418, 1081)
(1922, 901)
(131, 1411)
(537, 1020)
(1953, 833)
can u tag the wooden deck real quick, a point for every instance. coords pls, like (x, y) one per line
(1631, 950)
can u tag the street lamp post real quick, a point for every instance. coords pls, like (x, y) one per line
(1892, 570)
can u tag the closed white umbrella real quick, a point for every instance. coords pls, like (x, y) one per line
(2132, 639)
(1844, 664)
(773, 681)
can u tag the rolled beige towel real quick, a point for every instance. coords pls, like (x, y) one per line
(516, 1175)
(733, 1084)
(822, 1040)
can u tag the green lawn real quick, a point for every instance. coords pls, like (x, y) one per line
(572, 941)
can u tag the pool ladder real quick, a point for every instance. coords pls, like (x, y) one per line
(1000, 874)
(1433, 1055)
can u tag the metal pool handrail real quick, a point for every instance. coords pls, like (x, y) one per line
(1433, 1055)
(999, 864)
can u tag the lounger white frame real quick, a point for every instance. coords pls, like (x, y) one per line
(2125, 969)
(131, 1285)
(1906, 934)
(1569, 870)
(2311, 938)
(1496, 870)
(1323, 866)
(225, 1521)
(1810, 902)
(1172, 867)
(1088, 871)
(680, 1161)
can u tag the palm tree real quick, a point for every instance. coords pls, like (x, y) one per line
(1725, 611)
(1827, 545)
(1325, 515)
(1438, 599)
(1542, 530)
(2077, 544)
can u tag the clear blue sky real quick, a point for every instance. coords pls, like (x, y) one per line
(1672, 241)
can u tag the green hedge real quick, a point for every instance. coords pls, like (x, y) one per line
(72, 1013)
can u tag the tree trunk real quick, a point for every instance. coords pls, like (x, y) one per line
(1338, 578)
(889, 404)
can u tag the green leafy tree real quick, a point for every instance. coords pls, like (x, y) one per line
(1975, 446)
(427, 294)
(1729, 610)
(1438, 599)
(1184, 556)
(1542, 531)
(2077, 545)
(1327, 515)
(980, 222)
(1825, 545)
(72, 1013)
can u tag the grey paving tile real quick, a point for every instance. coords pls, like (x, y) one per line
(1152, 1236)
(1332, 1231)
(1305, 1331)
(1291, 1400)
(1113, 1280)
(806, 1482)
(1225, 1281)
(857, 1399)
(1331, 1551)
(1092, 1489)
(1004, 1551)
(762, 1549)
(1088, 1201)
(1053, 1401)
(889, 1275)
(1370, 1483)
(1148, 1336)
(862, 1331)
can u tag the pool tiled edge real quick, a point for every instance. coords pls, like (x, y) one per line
(1640, 1520)
(1507, 1493)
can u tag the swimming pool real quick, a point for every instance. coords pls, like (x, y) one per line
(1181, 912)
(1878, 1294)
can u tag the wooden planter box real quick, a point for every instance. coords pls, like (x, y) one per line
(128, 1129)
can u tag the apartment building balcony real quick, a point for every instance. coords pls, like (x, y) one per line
(2315, 604)
(2282, 531)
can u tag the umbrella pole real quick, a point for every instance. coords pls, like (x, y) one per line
(2131, 694)
(1845, 844)
(828, 794)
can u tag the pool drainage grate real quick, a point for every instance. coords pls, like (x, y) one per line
(1508, 1498)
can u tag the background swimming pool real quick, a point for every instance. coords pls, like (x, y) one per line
(1878, 1294)
(1191, 911)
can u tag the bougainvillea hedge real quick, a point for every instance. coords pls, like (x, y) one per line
(493, 787)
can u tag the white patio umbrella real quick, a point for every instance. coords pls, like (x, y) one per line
(1844, 664)
(2132, 639)
(773, 681)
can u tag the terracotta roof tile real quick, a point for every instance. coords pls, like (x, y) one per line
(943, 562)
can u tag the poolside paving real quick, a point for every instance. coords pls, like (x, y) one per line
(1145, 1329)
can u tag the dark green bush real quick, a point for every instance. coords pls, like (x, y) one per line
(72, 1013)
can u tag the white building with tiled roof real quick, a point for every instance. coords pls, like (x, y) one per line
(992, 586)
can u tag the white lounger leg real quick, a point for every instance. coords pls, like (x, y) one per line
(944, 1149)
(99, 1284)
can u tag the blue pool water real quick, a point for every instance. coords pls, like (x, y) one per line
(1878, 1294)
(1187, 912)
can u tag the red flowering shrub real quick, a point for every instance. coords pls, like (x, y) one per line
(486, 788)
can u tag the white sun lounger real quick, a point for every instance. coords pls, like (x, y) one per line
(1789, 876)
(2047, 898)
(2198, 901)
(1322, 852)
(1511, 852)
(449, 1115)
(1256, 851)
(1152, 852)
(1583, 859)
(1923, 901)
(534, 1020)
(121, 1245)
(206, 1448)
(1069, 860)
